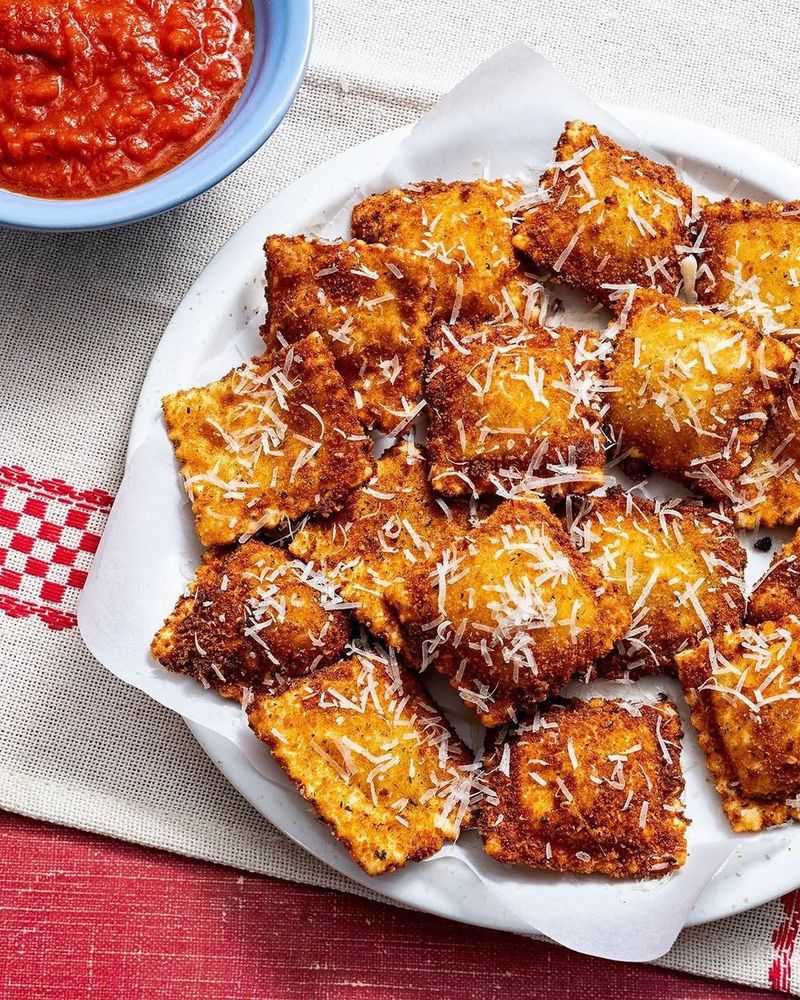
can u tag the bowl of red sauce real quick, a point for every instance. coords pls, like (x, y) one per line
(112, 111)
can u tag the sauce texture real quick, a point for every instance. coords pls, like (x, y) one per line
(100, 96)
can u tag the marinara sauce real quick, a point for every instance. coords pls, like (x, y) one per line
(99, 96)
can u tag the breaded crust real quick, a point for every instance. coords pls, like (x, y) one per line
(611, 216)
(745, 701)
(751, 267)
(511, 611)
(777, 593)
(465, 225)
(770, 486)
(377, 761)
(514, 408)
(751, 261)
(384, 529)
(371, 304)
(249, 619)
(592, 787)
(694, 390)
(271, 441)
(678, 565)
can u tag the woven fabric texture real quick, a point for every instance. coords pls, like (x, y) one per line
(82, 314)
(213, 933)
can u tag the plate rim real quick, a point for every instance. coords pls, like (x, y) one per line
(716, 148)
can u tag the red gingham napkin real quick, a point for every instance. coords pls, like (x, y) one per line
(49, 532)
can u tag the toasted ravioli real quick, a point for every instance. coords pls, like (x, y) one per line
(250, 618)
(272, 440)
(511, 611)
(592, 787)
(384, 529)
(465, 225)
(751, 267)
(608, 216)
(744, 694)
(769, 488)
(777, 593)
(678, 565)
(378, 762)
(693, 390)
(514, 408)
(750, 263)
(371, 304)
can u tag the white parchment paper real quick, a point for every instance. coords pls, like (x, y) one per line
(502, 120)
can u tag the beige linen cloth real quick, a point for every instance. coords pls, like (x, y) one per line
(82, 314)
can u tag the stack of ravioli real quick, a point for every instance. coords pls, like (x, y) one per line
(419, 476)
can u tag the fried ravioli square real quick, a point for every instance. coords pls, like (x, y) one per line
(607, 217)
(692, 389)
(274, 439)
(592, 787)
(466, 226)
(387, 527)
(769, 488)
(250, 618)
(750, 266)
(678, 565)
(511, 611)
(514, 408)
(372, 306)
(750, 262)
(377, 761)
(777, 593)
(743, 688)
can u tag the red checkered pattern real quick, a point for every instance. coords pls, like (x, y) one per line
(784, 944)
(49, 532)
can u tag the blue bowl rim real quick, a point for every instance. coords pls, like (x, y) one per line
(290, 22)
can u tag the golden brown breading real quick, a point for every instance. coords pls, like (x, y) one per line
(514, 408)
(249, 619)
(467, 226)
(272, 440)
(750, 266)
(371, 304)
(770, 486)
(777, 593)
(612, 217)
(678, 565)
(389, 525)
(511, 611)
(751, 261)
(743, 690)
(694, 389)
(378, 762)
(592, 787)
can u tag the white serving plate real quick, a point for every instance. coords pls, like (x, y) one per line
(229, 294)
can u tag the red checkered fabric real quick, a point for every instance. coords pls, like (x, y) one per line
(49, 532)
(784, 944)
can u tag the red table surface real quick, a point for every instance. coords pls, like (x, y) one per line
(82, 916)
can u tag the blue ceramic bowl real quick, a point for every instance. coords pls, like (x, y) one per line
(281, 46)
